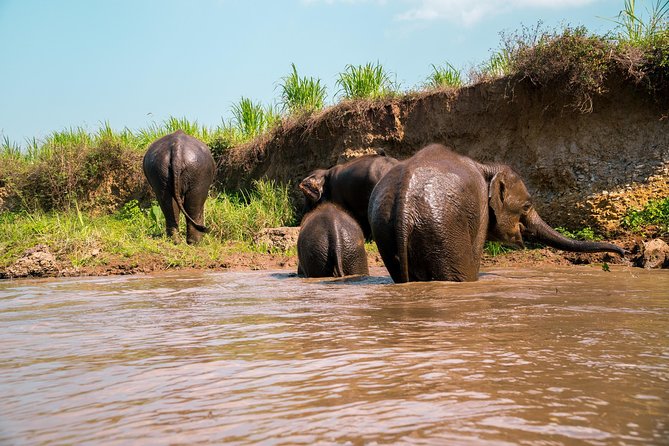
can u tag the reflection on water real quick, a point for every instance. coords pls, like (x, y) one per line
(546, 356)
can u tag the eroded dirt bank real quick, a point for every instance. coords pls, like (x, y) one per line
(583, 169)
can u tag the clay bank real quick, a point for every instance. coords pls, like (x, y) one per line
(583, 168)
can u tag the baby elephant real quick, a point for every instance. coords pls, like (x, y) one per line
(180, 170)
(331, 244)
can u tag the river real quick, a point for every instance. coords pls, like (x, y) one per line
(552, 355)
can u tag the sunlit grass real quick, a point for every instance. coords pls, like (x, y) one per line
(444, 76)
(300, 94)
(369, 81)
(83, 239)
(636, 28)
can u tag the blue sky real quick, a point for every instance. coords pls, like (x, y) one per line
(72, 63)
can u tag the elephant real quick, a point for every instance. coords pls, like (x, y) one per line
(349, 185)
(330, 244)
(431, 214)
(180, 170)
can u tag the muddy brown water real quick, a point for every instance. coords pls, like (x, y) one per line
(568, 355)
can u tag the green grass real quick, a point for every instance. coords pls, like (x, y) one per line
(635, 28)
(86, 240)
(301, 94)
(369, 81)
(444, 76)
(586, 234)
(252, 119)
(655, 213)
(495, 248)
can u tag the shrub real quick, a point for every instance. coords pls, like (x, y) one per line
(369, 81)
(656, 212)
(301, 93)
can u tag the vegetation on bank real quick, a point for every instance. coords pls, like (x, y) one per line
(86, 240)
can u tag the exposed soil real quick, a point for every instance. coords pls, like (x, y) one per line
(583, 169)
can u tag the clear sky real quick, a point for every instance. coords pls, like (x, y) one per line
(70, 63)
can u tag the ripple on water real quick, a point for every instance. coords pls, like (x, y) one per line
(552, 355)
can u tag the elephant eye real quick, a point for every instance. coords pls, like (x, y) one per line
(527, 207)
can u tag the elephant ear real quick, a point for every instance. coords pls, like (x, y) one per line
(312, 187)
(497, 193)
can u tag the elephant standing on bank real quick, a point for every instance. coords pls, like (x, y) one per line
(180, 170)
(431, 214)
(348, 185)
(331, 244)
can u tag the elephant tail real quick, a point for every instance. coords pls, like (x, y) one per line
(176, 162)
(336, 251)
(402, 232)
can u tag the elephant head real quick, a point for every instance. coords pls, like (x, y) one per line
(513, 216)
(509, 201)
(313, 186)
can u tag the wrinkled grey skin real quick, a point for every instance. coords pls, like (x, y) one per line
(330, 244)
(180, 170)
(348, 185)
(431, 214)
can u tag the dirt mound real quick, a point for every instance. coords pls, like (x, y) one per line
(583, 169)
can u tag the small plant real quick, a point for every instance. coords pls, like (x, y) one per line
(446, 76)
(301, 93)
(496, 248)
(656, 212)
(582, 234)
(369, 81)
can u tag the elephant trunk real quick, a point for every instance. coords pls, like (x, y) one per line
(536, 227)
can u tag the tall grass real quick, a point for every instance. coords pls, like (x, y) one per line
(499, 64)
(83, 239)
(636, 29)
(240, 216)
(444, 76)
(251, 118)
(369, 81)
(301, 94)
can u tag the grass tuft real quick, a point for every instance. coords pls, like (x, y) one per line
(301, 94)
(444, 76)
(370, 81)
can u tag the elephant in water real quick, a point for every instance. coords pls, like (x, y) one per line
(431, 214)
(180, 170)
(348, 185)
(330, 244)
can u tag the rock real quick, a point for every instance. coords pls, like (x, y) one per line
(281, 239)
(653, 255)
(37, 261)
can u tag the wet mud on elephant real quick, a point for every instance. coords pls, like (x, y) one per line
(431, 214)
(180, 170)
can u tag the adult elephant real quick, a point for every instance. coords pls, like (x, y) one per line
(180, 170)
(348, 185)
(431, 214)
(330, 244)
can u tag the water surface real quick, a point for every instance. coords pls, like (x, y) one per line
(549, 356)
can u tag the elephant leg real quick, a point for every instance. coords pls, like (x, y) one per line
(387, 245)
(194, 205)
(171, 212)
